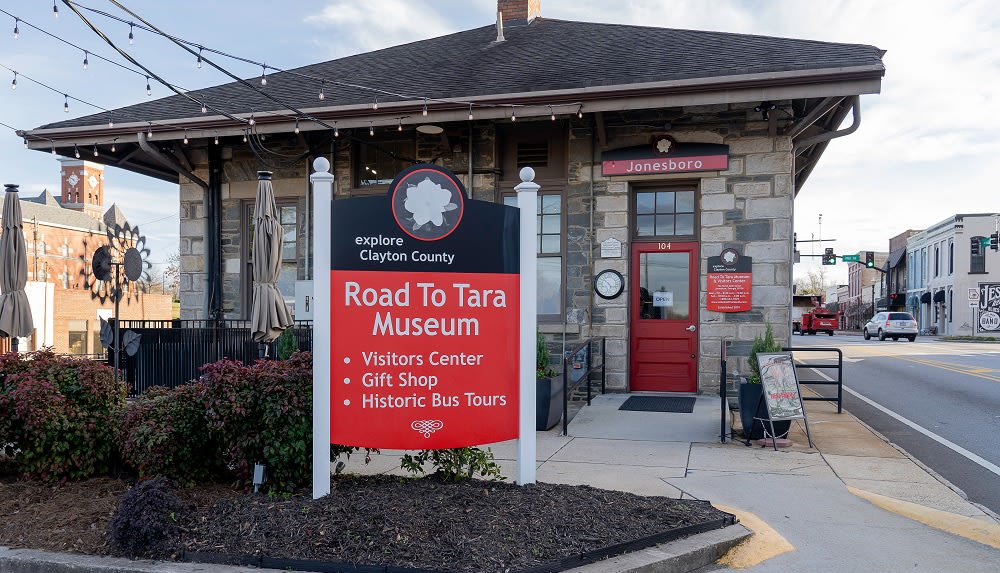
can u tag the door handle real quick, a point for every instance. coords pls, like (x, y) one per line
(691, 328)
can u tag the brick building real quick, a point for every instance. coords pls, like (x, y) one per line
(61, 234)
(656, 151)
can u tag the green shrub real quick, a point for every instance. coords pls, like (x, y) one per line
(165, 434)
(262, 413)
(62, 413)
(761, 344)
(287, 344)
(146, 517)
(543, 359)
(454, 464)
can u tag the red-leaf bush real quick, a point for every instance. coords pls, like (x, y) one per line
(165, 434)
(60, 415)
(262, 413)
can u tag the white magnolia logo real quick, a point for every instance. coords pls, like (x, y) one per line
(663, 145)
(428, 202)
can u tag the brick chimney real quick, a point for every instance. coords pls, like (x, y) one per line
(519, 12)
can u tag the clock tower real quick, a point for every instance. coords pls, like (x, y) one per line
(82, 184)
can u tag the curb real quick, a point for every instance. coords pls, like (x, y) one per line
(678, 556)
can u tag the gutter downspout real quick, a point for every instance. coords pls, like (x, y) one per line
(823, 137)
(213, 212)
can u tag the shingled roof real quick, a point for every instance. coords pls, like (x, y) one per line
(550, 56)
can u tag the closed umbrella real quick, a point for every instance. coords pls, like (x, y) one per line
(269, 315)
(15, 312)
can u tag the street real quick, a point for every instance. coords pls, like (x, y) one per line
(939, 401)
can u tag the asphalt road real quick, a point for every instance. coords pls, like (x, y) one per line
(939, 401)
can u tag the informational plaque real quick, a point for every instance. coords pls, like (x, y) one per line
(424, 299)
(611, 248)
(781, 387)
(729, 282)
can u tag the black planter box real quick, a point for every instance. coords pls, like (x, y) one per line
(548, 402)
(752, 406)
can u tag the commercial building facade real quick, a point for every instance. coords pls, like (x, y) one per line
(665, 170)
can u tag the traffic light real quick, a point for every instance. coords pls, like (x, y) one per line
(977, 247)
(995, 241)
(869, 259)
(828, 257)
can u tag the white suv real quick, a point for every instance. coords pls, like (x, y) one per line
(894, 325)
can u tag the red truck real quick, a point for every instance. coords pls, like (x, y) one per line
(818, 320)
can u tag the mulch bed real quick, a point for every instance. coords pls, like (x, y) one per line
(374, 520)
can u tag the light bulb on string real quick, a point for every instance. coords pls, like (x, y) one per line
(114, 145)
(86, 62)
(216, 138)
(55, 14)
(204, 108)
(25, 142)
(552, 114)
(111, 121)
(252, 121)
(149, 131)
(76, 151)
(336, 131)
(17, 31)
(513, 114)
(95, 150)
(371, 129)
(400, 126)
(54, 149)
(199, 57)
(65, 103)
(185, 136)
(13, 84)
(470, 112)
(424, 113)
(244, 136)
(131, 36)
(296, 126)
(375, 103)
(579, 112)
(263, 75)
(322, 96)
(149, 90)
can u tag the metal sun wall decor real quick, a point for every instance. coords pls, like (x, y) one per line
(126, 247)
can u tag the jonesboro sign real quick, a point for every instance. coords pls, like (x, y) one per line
(424, 293)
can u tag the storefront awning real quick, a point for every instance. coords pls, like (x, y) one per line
(925, 298)
(896, 256)
(912, 302)
(939, 296)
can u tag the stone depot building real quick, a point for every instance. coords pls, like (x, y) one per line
(669, 161)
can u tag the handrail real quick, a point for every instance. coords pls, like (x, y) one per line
(585, 376)
(840, 373)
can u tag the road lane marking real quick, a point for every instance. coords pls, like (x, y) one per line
(985, 464)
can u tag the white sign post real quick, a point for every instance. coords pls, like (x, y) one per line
(322, 183)
(527, 202)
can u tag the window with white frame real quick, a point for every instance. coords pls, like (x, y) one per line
(550, 252)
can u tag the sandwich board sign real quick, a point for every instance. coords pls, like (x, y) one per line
(424, 311)
(782, 394)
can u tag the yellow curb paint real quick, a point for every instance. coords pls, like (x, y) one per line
(764, 544)
(961, 525)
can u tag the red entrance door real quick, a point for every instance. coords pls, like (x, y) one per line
(663, 307)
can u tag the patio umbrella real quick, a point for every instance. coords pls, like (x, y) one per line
(269, 315)
(15, 312)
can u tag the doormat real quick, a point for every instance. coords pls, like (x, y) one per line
(676, 404)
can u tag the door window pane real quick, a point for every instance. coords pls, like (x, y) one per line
(77, 336)
(664, 213)
(663, 286)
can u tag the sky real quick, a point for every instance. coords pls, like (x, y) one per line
(924, 151)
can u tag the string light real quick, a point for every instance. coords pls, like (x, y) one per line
(111, 121)
(552, 114)
(149, 89)
(375, 103)
(251, 121)
(54, 149)
(65, 103)
(76, 151)
(322, 96)
(17, 32)
(55, 14)
(25, 142)
(244, 136)
(424, 113)
(216, 137)
(185, 136)
(149, 130)
(95, 150)
(296, 126)
(470, 112)
(199, 57)
(263, 75)
(371, 129)
(400, 126)
(114, 145)
(13, 84)
(513, 114)
(85, 60)
(579, 112)
(204, 108)
(336, 132)
(131, 36)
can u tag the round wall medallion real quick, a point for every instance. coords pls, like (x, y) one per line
(609, 284)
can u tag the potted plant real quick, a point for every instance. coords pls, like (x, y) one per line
(548, 390)
(751, 390)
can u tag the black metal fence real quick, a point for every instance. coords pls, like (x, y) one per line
(171, 351)
(582, 368)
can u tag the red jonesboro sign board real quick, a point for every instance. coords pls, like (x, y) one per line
(665, 155)
(424, 317)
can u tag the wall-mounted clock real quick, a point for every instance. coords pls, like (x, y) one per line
(609, 284)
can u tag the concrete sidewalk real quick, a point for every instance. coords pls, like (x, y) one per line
(852, 503)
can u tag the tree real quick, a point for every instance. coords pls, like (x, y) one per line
(172, 275)
(816, 282)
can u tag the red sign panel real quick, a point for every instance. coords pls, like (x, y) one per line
(424, 315)
(665, 156)
(730, 282)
